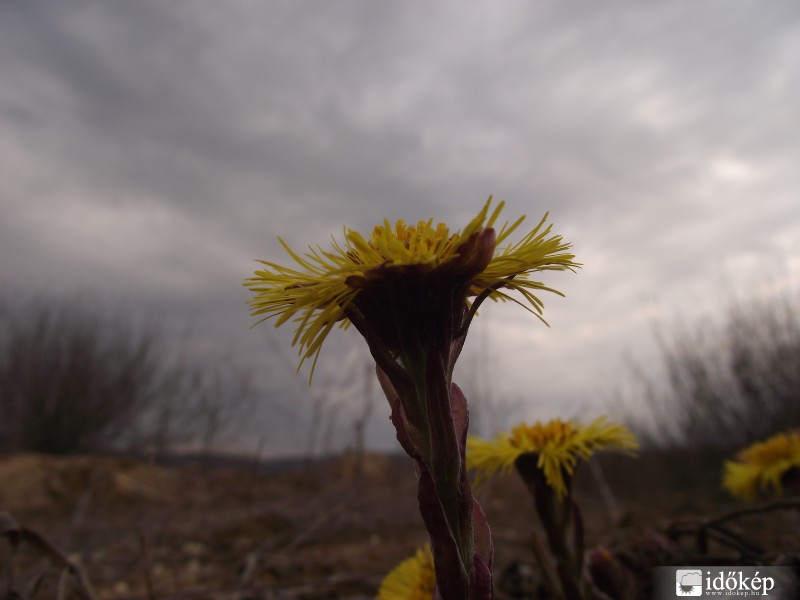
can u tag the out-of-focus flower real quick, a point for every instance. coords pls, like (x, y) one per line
(559, 445)
(412, 579)
(762, 465)
(406, 276)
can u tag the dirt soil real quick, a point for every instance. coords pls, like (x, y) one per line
(331, 529)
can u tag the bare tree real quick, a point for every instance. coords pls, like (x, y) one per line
(361, 419)
(206, 411)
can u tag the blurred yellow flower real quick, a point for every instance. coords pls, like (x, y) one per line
(762, 465)
(558, 444)
(418, 269)
(412, 579)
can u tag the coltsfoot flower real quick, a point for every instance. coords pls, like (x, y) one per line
(405, 276)
(762, 465)
(411, 291)
(412, 579)
(559, 445)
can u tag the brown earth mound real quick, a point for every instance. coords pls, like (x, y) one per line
(50, 485)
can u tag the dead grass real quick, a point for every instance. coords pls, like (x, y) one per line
(144, 531)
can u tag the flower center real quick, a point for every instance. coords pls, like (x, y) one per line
(408, 244)
(538, 435)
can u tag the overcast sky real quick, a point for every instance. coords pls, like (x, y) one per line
(150, 151)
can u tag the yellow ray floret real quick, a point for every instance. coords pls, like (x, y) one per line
(762, 465)
(558, 444)
(315, 293)
(412, 579)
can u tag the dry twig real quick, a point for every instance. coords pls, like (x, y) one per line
(18, 534)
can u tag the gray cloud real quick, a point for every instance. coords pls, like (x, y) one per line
(152, 150)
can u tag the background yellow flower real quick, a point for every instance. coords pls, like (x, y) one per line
(412, 579)
(762, 465)
(558, 444)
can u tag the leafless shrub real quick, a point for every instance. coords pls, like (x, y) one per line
(75, 377)
(723, 385)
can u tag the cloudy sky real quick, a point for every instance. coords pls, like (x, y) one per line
(150, 151)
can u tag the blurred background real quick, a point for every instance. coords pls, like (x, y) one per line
(151, 151)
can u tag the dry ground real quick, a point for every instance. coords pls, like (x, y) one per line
(142, 531)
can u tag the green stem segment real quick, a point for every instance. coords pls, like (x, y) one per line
(560, 519)
(436, 441)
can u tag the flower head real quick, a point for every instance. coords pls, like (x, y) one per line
(412, 579)
(406, 281)
(762, 465)
(558, 444)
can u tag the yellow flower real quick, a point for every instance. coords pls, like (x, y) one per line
(558, 444)
(762, 465)
(406, 277)
(412, 579)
